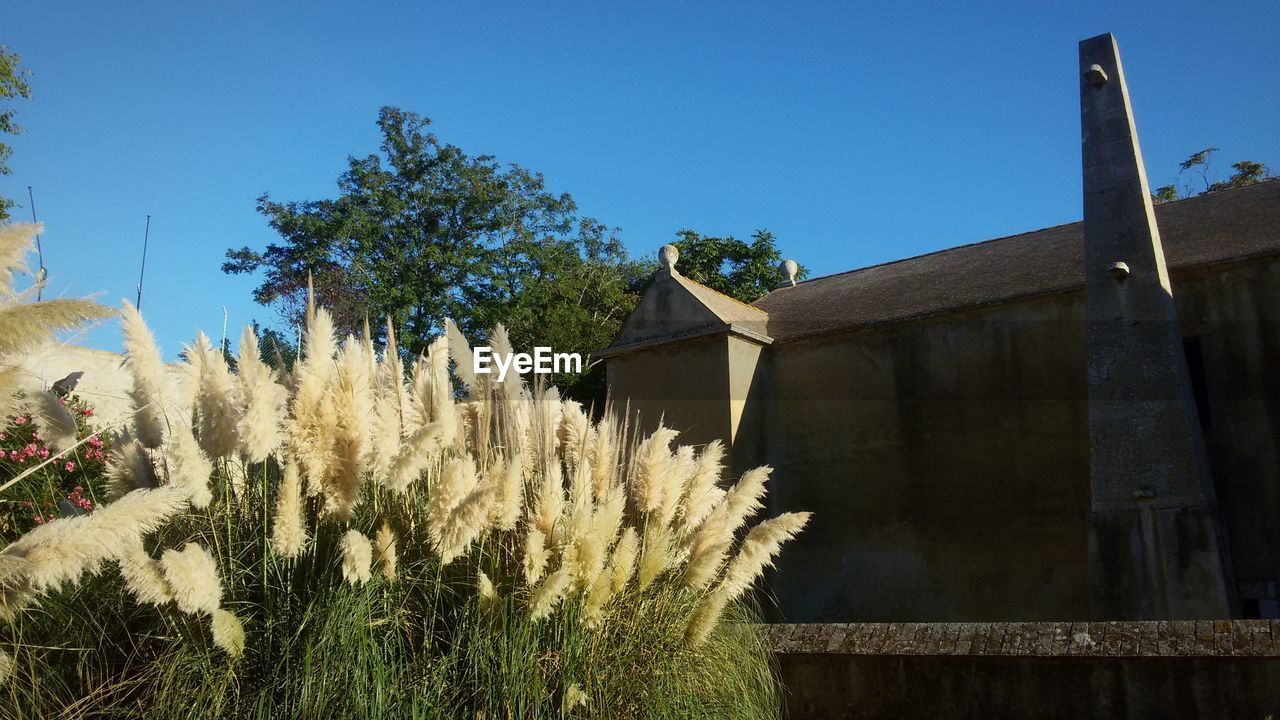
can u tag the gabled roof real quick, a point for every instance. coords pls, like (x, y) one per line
(677, 308)
(1219, 227)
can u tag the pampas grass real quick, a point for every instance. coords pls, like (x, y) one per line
(142, 358)
(528, 558)
(357, 557)
(192, 575)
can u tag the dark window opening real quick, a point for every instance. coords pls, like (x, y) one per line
(1194, 351)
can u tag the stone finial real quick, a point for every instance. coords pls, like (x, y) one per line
(789, 268)
(669, 254)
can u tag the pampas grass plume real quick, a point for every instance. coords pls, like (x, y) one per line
(357, 557)
(228, 632)
(262, 401)
(143, 576)
(55, 422)
(288, 534)
(547, 595)
(192, 576)
(385, 543)
(147, 371)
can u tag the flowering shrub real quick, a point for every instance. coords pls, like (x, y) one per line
(76, 477)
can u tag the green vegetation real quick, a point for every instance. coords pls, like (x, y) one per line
(1247, 172)
(353, 540)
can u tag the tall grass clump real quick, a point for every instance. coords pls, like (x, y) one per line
(354, 539)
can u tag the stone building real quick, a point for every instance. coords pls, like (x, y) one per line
(1079, 422)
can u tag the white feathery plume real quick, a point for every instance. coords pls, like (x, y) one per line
(385, 438)
(60, 551)
(16, 591)
(604, 457)
(130, 468)
(385, 544)
(623, 562)
(548, 504)
(467, 521)
(228, 632)
(456, 482)
(192, 576)
(354, 404)
(55, 422)
(508, 493)
(288, 534)
(315, 419)
(510, 387)
(143, 576)
(147, 371)
(461, 354)
(656, 554)
(188, 466)
(536, 555)
(758, 550)
(6, 665)
(262, 401)
(711, 542)
(15, 243)
(702, 493)
(357, 557)
(419, 449)
(485, 589)
(440, 395)
(548, 594)
(216, 403)
(654, 478)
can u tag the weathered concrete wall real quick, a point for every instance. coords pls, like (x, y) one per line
(1023, 670)
(686, 384)
(1231, 319)
(946, 461)
(106, 382)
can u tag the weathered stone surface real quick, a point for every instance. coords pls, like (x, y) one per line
(1153, 531)
(1135, 638)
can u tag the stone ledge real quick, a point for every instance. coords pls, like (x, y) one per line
(1173, 638)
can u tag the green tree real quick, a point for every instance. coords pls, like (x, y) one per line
(746, 271)
(13, 84)
(1247, 172)
(421, 232)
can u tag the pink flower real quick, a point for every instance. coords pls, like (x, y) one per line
(70, 466)
(20, 420)
(39, 520)
(3, 435)
(88, 411)
(44, 453)
(93, 441)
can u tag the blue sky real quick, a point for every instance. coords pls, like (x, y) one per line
(857, 133)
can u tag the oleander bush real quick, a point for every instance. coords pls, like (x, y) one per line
(72, 484)
(354, 539)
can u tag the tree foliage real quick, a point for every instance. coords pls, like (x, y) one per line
(1247, 172)
(743, 270)
(421, 232)
(13, 84)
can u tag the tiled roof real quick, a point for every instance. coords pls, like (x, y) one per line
(1207, 229)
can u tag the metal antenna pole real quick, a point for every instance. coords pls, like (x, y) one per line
(40, 274)
(145, 237)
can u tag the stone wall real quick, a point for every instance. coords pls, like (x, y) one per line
(1036, 669)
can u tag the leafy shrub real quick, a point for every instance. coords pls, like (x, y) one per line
(76, 478)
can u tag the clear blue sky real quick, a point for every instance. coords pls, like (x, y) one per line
(856, 132)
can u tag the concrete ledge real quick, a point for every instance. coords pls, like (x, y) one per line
(1175, 638)
(1225, 668)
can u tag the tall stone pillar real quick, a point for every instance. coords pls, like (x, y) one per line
(1156, 550)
